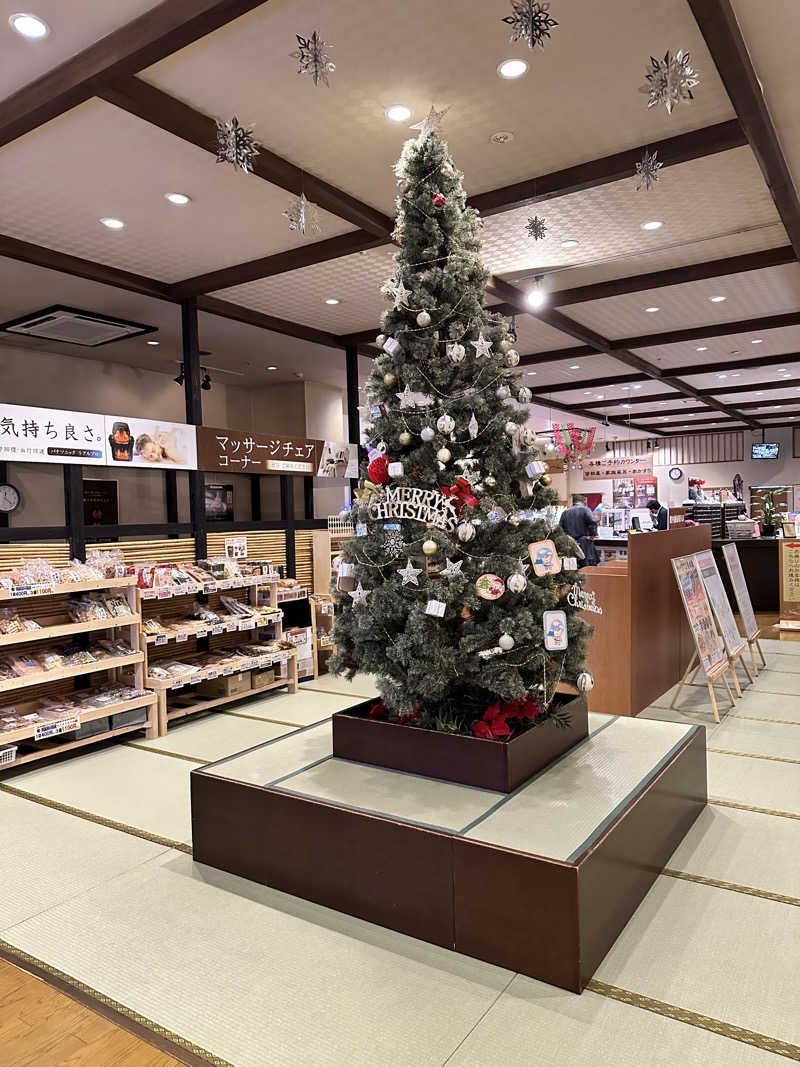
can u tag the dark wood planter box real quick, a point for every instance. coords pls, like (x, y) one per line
(497, 765)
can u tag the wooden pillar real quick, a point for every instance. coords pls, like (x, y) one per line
(287, 517)
(194, 416)
(73, 509)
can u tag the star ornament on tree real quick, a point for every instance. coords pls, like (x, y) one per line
(453, 569)
(536, 228)
(396, 290)
(406, 398)
(482, 346)
(531, 21)
(313, 59)
(409, 574)
(670, 80)
(432, 123)
(359, 595)
(236, 144)
(647, 170)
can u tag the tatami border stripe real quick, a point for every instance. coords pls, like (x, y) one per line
(693, 1018)
(750, 807)
(16, 954)
(733, 886)
(259, 718)
(89, 816)
(758, 718)
(164, 752)
(751, 755)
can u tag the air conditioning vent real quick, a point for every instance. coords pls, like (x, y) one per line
(75, 327)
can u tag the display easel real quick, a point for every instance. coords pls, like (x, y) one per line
(735, 644)
(752, 631)
(709, 654)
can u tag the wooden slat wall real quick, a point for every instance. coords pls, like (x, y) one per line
(304, 558)
(261, 544)
(177, 550)
(55, 552)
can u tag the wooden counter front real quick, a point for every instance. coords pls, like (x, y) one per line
(642, 643)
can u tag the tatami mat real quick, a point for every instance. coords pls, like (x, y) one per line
(743, 847)
(260, 978)
(214, 736)
(756, 782)
(48, 857)
(300, 709)
(759, 738)
(277, 759)
(772, 680)
(727, 955)
(689, 715)
(362, 687)
(123, 784)
(778, 661)
(695, 700)
(537, 1025)
(769, 706)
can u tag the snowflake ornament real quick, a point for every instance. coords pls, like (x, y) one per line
(313, 59)
(393, 544)
(236, 144)
(531, 21)
(536, 228)
(647, 170)
(302, 216)
(670, 80)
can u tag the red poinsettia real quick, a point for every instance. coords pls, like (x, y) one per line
(378, 710)
(494, 724)
(461, 492)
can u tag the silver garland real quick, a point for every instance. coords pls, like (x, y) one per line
(236, 144)
(530, 21)
(670, 80)
(536, 228)
(647, 170)
(313, 58)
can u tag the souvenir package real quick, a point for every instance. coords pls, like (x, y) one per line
(86, 609)
(24, 664)
(116, 606)
(236, 607)
(153, 627)
(6, 671)
(75, 656)
(35, 572)
(106, 648)
(204, 613)
(158, 672)
(11, 623)
(110, 562)
(50, 660)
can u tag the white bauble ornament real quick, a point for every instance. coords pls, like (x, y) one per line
(506, 642)
(430, 548)
(427, 433)
(584, 682)
(512, 357)
(445, 424)
(380, 340)
(389, 378)
(490, 480)
(542, 444)
(511, 429)
(505, 344)
(517, 582)
(392, 346)
(405, 438)
(423, 319)
(456, 352)
(466, 531)
(524, 395)
(444, 455)
(502, 391)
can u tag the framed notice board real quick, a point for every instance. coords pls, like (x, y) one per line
(790, 581)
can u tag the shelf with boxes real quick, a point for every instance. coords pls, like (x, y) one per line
(71, 664)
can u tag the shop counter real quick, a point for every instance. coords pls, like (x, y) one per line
(642, 642)
(759, 556)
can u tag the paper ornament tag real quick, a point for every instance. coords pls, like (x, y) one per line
(544, 558)
(569, 563)
(490, 586)
(555, 630)
(435, 607)
(361, 529)
(535, 468)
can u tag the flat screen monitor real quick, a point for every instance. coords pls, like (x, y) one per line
(766, 450)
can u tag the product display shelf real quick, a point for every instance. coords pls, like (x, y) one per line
(48, 606)
(194, 704)
(94, 585)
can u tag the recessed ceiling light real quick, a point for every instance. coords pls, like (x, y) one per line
(758, 341)
(717, 299)
(30, 26)
(569, 243)
(722, 375)
(398, 113)
(512, 68)
(575, 366)
(271, 367)
(760, 392)
(652, 309)
(113, 224)
(332, 301)
(652, 224)
(702, 348)
(626, 405)
(154, 342)
(600, 396)
(531, 373)
(178, 198)
(587, 392)
(736, 374)
(637, 387)
(781, 370)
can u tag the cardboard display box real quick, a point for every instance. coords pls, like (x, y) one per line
(225, 686)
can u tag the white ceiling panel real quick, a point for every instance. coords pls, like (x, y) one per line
(98, 161)
(732, 347)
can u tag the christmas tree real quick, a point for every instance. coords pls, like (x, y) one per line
(453, 592)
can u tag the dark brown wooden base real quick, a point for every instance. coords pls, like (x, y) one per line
(550, 919)
(497, 765)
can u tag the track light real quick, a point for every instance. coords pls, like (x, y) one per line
(179, 379)
(206, 382)
(537, 296)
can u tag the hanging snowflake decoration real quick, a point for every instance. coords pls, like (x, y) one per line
(393, 544)
(670, 80)
(236, 144)
(302, 216)
(647, 170)
(536, 228)
(313, 59)
(531, 22)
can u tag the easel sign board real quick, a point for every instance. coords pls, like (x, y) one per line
(740, 590)
(790, 580)
(734, 642)
(710, 649)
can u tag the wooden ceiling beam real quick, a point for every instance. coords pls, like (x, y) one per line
(164, 29)
(596, 383)
(556, 354)
(656, 414)
(753, 363)
(719, 27)
(702, 333)
(679, 149)
(266, 322)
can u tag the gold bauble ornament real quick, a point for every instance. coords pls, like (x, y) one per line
(430, 548)
(389, 378)
(545, 479)
(405, 438)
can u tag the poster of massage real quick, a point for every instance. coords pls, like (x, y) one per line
(150, 443)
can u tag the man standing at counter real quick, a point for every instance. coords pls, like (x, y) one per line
(659, 514)
(579, 523)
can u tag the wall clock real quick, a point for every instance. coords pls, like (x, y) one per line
(9, 497)
(675, 474)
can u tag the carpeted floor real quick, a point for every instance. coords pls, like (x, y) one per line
(98, 890)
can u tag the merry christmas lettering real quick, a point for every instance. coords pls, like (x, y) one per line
(424, 505)
(583, 600)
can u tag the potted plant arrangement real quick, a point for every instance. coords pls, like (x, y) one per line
(459, 591)
(769, 513)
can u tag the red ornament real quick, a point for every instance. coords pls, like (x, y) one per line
(378, 710)
(378, 470)
(461, 492)
(438, 200)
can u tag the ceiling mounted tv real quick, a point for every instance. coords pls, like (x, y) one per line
(765, 450)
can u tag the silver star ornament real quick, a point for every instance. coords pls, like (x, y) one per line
(409, 574)
(359, 595)
(395, 288)
(647, 171)
(432, 123)
(482, 346)
(453, 568)
(406, 398)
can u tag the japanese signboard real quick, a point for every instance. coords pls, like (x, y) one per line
(145, 443)
(741, 592)
(698, 611)
(242, 452)
(790, 580)
(44, 435)
(617, 466)
(734, 642)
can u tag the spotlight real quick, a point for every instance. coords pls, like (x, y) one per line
(179, 379)
(206, 382)
(536, 297)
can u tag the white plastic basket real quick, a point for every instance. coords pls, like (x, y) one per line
(739, 528)
(8, 755)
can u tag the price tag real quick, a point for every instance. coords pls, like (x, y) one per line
(226, 584)
(41, 589)
(164, 594)
(250, 664)
(21, 590)
(264, 661)
(162, 639)
(435, 607)
(53, 729)
(178, 684)
(210, 587)
(182, 635)
(192, 587)
(202, 633)
(247, 624)
(148, 594)
(215, 630)
(212, 674)
(232, 624)
(226, 670)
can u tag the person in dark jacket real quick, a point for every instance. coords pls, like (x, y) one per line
(659, 514)
(579, 523)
